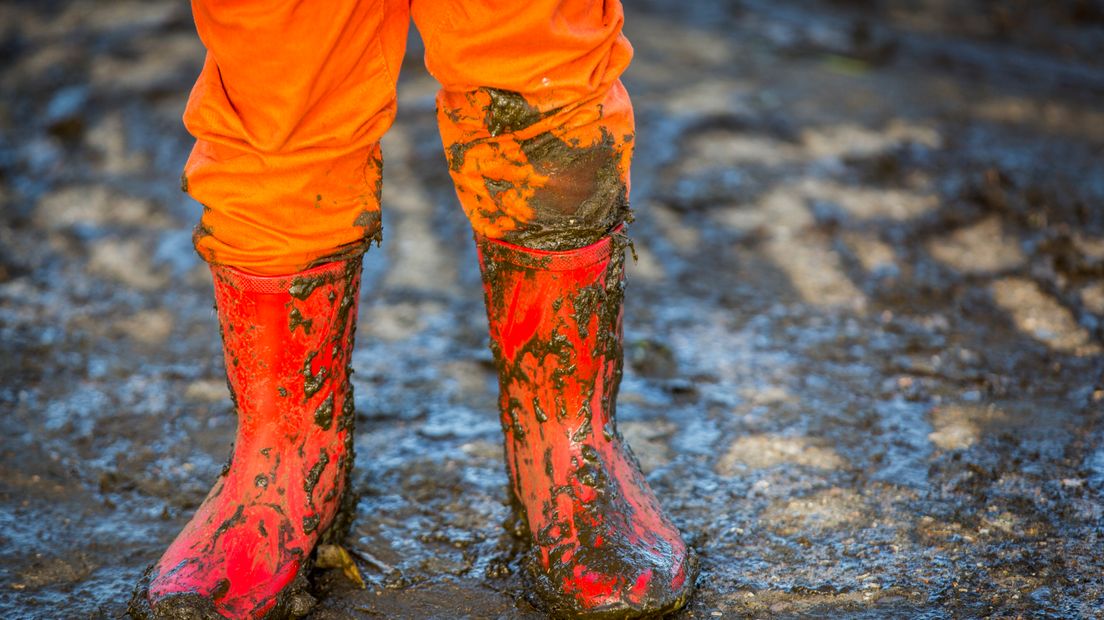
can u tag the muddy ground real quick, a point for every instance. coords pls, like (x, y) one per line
(864, 331)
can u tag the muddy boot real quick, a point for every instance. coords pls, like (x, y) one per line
(602, 546)
(288, 342)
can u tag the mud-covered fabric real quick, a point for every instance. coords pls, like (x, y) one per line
(294, 97)
(536, 175)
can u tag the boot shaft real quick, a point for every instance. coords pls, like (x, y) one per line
(287, 342)
(555, 328)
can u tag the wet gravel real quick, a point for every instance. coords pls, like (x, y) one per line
(864, 332)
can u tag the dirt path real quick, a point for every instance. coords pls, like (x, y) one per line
(864, 332)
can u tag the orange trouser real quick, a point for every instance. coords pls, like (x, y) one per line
(294, 97)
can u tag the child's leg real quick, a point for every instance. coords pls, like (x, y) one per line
(538, 131)
(287, 114)
(536, 125)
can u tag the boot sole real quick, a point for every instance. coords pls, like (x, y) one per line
(294, 601)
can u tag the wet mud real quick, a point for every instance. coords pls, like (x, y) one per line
(509, 111)
(550, 188)
(863, 336)
(586, 198)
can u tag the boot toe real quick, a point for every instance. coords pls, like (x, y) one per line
(655, 592)
(185, 606)
(624, 590)
(661, 596)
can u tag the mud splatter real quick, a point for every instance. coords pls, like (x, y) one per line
(509, 112)
(324, 415)
(296, 320)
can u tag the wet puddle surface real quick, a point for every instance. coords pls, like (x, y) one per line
(863, 335)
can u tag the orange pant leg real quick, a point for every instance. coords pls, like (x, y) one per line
(287, 115)
(537, 127)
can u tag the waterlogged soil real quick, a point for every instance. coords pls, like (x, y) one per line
(863, 334)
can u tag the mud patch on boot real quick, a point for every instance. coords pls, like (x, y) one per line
(311, 523)
(324, 415)
(584, 429)
(500, 264)
(345, 306)
(294, 601)
(606, 303)
(312, 382)
(235, 519)
(184, 606)
(221, 589)
(314, 475)
(512, 420)
(295, 320)
(538, 411)
(302, 286)
(347, 418)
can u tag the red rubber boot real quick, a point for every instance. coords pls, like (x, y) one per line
(602, 545)
(288, 342)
